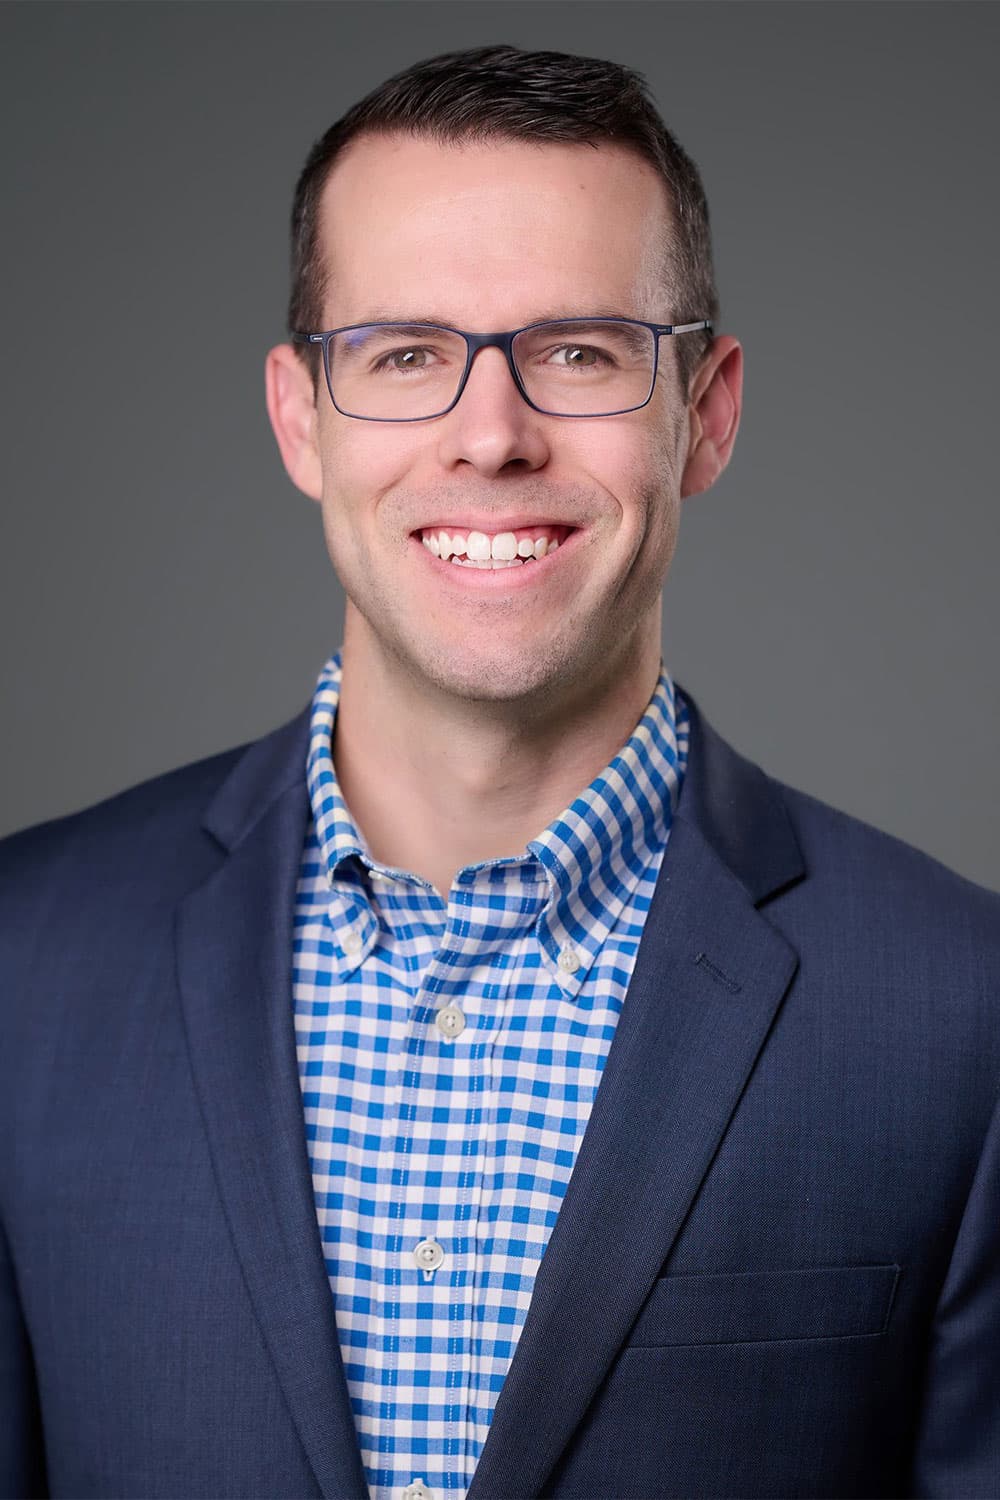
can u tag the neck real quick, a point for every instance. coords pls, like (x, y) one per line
(435, 783)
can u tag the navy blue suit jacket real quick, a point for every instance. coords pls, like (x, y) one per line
(777, 1267)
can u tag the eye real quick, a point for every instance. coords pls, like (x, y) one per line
(579, 356)
(412, 358)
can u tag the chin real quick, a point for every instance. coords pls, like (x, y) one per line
(515, 676)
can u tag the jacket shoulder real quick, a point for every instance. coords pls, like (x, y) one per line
(173, 800)
(105, 879)
(796, 852)
(120, 864)
(842, 849)
(883, 927)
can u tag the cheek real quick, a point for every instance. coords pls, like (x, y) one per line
(651, 516)
(348, 455)
(360, 461)
(635, 452)
(641, 472)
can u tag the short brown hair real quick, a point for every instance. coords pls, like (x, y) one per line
(504, 93)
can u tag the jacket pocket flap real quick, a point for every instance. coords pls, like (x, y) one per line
(825, 1302)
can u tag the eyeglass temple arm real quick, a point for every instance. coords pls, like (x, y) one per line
(682, 327)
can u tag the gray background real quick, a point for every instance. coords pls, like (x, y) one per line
(833, 604)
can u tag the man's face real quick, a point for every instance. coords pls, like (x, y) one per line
(485, 238)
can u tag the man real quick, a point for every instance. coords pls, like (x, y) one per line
(490, 1083)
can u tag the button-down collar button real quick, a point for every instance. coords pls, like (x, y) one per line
(352, 942)
(569, 960)
(428, 1255)
(417, 1490)
(450, 1022)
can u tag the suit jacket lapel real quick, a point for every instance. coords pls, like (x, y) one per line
(710, 975)
(234, 947)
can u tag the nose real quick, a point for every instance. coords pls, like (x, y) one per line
(493, 428)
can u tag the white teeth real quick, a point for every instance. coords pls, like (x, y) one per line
(502, 549)
(488, 562)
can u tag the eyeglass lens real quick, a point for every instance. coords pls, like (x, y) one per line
(404, 371)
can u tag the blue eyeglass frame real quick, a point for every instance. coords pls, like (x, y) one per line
(504, 341)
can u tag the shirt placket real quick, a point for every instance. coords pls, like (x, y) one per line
(446, 1114)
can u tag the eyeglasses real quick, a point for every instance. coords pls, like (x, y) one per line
(408, 372)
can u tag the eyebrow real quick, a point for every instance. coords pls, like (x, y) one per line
(442, 320)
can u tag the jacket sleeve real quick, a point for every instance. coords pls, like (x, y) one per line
(22, 1454)
(958, 1441)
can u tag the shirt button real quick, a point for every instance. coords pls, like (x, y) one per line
(569, 960)
(428, 1256)
(417, 1490)
(450, 1021)
(352, 942)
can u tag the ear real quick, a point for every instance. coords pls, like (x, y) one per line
(714, 406)
(291, 406)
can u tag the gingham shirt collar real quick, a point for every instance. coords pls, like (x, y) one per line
(592, 855)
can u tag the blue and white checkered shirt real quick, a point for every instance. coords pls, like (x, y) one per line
(449, 1054)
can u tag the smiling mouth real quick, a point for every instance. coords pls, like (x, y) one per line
(502, 549)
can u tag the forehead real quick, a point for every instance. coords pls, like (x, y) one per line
(493, 234)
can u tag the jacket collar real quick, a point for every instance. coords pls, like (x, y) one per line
(739, 811)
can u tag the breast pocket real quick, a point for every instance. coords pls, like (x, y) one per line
(824, 1302)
